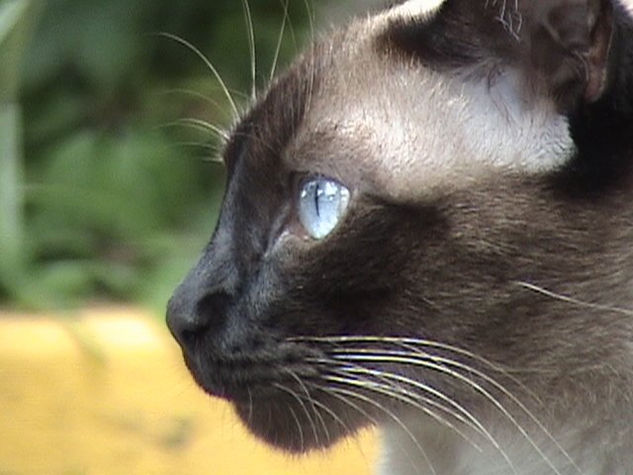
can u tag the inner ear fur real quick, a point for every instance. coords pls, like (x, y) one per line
(569, 43)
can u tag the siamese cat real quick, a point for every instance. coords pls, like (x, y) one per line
(428, 227)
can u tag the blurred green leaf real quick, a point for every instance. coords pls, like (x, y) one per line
(16, 19)
(117, 205)
(10, 192)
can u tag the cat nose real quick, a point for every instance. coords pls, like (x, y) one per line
(188, 318)
(182, 321)
(199, 306)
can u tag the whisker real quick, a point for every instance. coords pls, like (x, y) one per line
(305, 409)
(251, 47)
(215, 104)
(310, 401)
(330, 392)
(203, 145)
(410, 341)
(572, 300)
(201, 125)
(292, 30)
(209, 65)
(377, 357)
(299, 429)
(310, 14)
(311, 76)
(256, 138)
(333, 415)
(341, 393)
(496, 368)
(413, 345)
(406, 396)
(214, 156)
(280, 39)
(467, 417)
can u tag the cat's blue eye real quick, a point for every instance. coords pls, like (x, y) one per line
(322, 203)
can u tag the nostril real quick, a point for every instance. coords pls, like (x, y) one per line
(182, 321)
(187, 338)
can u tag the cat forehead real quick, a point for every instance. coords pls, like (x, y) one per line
(410, 127)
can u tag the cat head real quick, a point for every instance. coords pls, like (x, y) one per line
(431, 180)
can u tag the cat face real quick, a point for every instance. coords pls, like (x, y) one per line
(408, 204)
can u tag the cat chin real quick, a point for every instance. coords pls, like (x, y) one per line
(281, 413)
(292, 427)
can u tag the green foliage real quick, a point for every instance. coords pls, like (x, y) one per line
(117, 198)
(16, 19)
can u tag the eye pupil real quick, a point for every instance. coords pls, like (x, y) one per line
(322, 203)
(317, 195)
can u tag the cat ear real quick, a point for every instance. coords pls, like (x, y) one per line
(569, 43)
(563, 45)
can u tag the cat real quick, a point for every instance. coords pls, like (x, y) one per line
(428, 227)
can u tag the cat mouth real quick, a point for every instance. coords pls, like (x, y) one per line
(242, 379)
(230, 380)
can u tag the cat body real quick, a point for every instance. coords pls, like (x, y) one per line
(427, 227)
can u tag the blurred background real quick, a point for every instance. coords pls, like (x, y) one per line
(109, 185)
(109, 189)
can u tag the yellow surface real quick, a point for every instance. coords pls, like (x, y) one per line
(107, 393)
